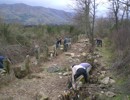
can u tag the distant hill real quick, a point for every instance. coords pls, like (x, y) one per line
(33, 15)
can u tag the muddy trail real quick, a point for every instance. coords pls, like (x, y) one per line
(50, 81)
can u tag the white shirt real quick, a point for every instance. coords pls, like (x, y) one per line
(85, 65)
(75, 68)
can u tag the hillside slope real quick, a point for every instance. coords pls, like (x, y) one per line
(52, 78)
(32, 15)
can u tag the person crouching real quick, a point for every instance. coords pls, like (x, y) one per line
(78, 70)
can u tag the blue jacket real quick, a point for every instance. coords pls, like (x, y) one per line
(1, 61)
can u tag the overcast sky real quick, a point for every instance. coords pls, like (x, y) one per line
(56, 4)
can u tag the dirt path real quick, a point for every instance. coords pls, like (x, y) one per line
(51, 84)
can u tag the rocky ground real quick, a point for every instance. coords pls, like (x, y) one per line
(51, 80)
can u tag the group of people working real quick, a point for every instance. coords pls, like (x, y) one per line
(77, 70)
(66, 42)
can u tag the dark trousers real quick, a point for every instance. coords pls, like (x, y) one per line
(65, 47)
(99, 43)
(81, 71)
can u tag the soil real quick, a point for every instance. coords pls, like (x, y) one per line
(41, 81)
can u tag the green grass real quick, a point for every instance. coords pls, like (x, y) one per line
(106, 52)
(121, 97)
(107, 60)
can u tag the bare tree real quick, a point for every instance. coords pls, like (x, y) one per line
(115, 8)
(120, 7)
(87, 11)
(120, 35)
(126, 4)
(102, 26)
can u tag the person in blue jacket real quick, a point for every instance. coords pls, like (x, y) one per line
(2, 58)
(1, 61)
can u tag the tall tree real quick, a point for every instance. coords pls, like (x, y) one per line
(86, 16)
(120, 7)
(115, 8)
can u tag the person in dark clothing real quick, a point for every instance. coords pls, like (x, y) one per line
(58, 43)
(99, 42)
(1, 61)
(4, 59)
(65, 44)
(5, 64)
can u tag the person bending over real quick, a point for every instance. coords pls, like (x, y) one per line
(78, 70)
(87, 66)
